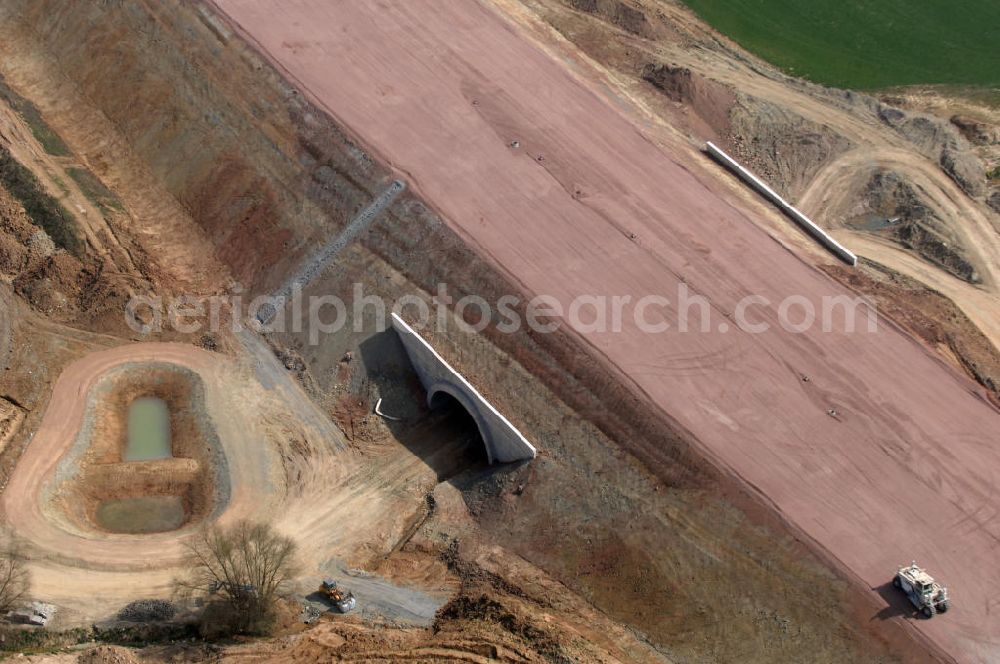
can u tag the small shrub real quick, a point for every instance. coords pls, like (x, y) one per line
(15, 580)
(242, 569)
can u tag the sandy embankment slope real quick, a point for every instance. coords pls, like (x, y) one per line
(439, 90)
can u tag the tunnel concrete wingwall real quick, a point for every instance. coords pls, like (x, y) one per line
(504, 443)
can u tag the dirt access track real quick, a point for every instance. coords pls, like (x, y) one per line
(588, 204)
(34, 519)
(284, 463)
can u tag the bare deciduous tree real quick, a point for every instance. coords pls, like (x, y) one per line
(247, 565)
(15, 580)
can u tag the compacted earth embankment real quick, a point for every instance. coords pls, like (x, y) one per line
(621, 506)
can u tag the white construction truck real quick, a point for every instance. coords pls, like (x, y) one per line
(924, 592)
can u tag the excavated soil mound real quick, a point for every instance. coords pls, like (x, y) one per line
(96, 482)
(107, 655)
(888, 195)
(709, 100)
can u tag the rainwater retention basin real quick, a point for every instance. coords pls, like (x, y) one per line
(147, 459)
(148, 430)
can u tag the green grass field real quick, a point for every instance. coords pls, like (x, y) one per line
(868, 44)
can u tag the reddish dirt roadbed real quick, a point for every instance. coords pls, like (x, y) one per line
(587, 205)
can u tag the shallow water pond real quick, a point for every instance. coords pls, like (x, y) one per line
(148, 430)
(874, 223)
(145, 514)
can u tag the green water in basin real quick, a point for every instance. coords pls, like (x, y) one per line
(146, 514)
(148, 430)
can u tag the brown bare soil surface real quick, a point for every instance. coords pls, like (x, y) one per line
(817, 146)
(577, 184)
(693, 499)
(537, 510)
(930, 316)
(149, 236)
(53, 172)
(56, 283)
(11, 417)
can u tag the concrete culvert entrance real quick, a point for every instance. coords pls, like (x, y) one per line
(460, 426)
(504, 443)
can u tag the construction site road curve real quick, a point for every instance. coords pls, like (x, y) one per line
(35, 520)
(565, 194)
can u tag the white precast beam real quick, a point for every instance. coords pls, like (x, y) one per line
(824, 238)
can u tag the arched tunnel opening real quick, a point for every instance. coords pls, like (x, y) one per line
(465, 443)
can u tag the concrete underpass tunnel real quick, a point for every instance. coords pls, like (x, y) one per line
(503, 442)
(450, 404)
